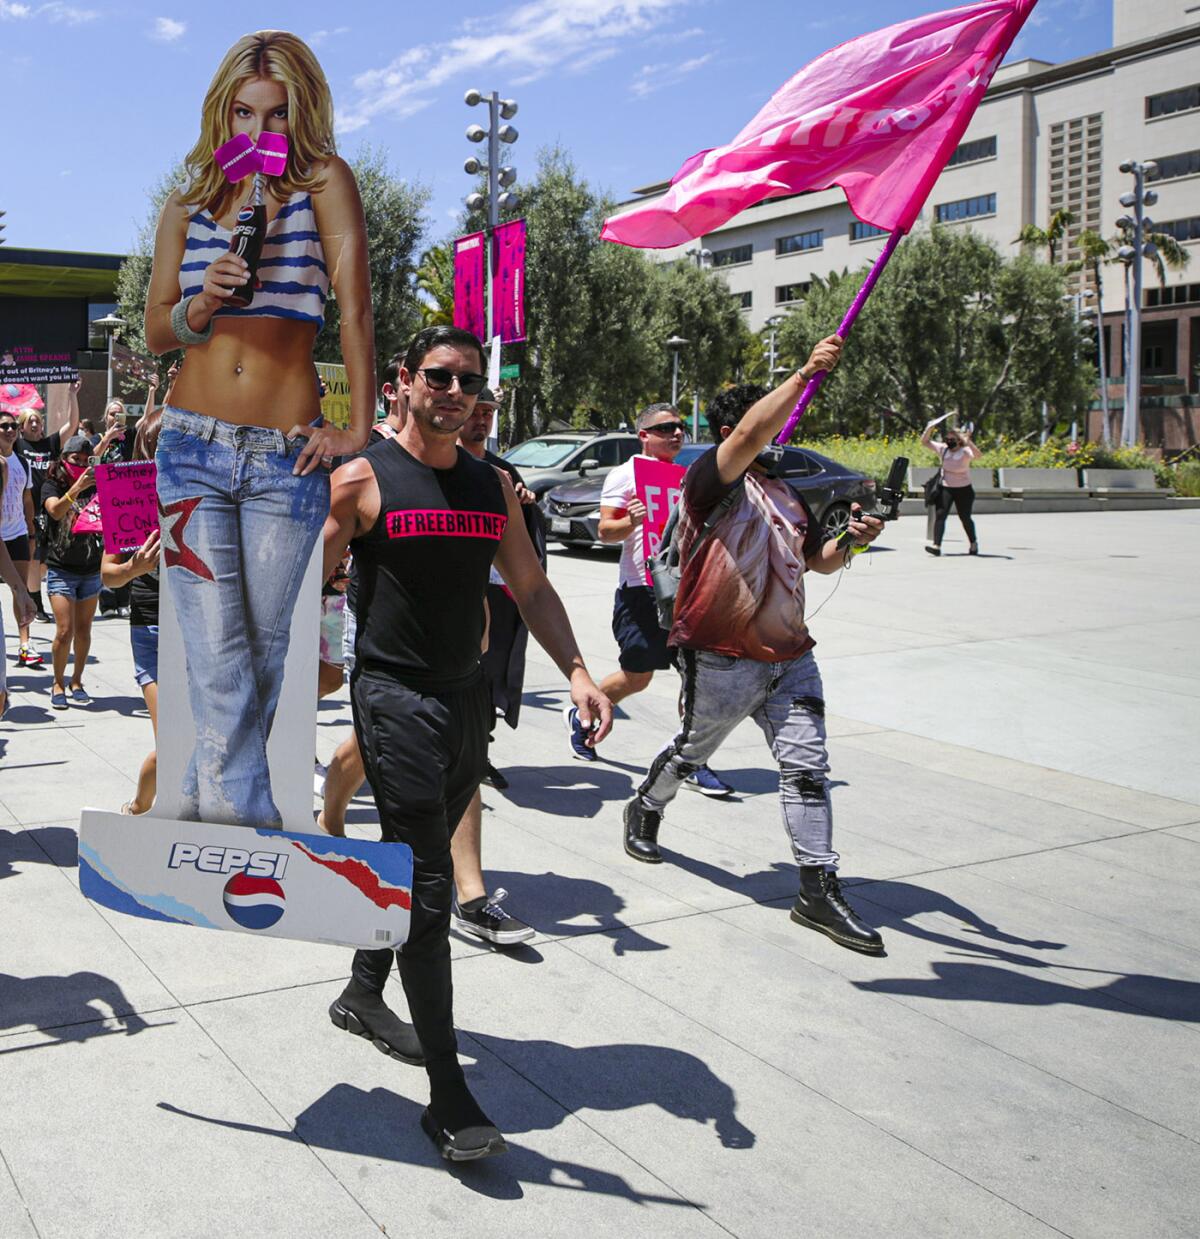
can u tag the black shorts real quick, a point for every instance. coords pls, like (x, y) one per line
(18, 549)
(635, 625)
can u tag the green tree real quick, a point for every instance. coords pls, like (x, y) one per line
(393, 211)
(435, 284)
(951, 326)
(1048, 238)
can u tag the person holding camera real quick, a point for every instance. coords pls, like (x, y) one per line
(746, 541)
(74, 546)
(954, 457)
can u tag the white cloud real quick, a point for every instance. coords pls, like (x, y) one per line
(526, 42)
(650, 78)
(55, 11)
(320, 36)
(167, 30)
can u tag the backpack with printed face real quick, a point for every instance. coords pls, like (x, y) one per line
(666, 564)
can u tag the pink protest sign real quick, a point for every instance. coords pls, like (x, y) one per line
(508, 293)
(469, 285)
(128, 504)
(658, 484)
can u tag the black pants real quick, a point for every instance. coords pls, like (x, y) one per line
(963, 499)
(424, 755)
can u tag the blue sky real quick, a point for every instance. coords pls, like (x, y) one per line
(100, 96)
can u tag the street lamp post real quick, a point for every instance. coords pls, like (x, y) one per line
(1079, 314)
(1139, 198)
(675, 343)
(499, 197)
(704, 260)
(112, 326)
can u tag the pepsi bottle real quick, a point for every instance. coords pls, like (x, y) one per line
(249, 232)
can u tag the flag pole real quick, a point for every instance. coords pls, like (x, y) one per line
(814, 384)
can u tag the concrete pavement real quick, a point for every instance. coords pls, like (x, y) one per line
(1014, 741)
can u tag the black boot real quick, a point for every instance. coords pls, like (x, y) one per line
(641, 832)
(820, 905)
(457, 1126)
(364, 1013)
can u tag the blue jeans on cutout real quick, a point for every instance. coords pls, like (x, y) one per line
(238, 529)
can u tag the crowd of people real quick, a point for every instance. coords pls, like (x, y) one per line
(433, 563)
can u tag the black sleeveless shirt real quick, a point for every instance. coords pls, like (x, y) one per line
(423, 568)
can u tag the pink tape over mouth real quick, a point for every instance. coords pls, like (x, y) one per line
(272, 149)
(237, 158)
(243, 156)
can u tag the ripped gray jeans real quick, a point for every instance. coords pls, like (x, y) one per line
(787, 701)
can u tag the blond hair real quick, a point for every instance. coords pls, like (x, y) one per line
(276, 56)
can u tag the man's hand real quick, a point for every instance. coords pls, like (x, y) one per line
(636, 512)
(825, 356)
(864, 528)
(524, 494)
(595, 709)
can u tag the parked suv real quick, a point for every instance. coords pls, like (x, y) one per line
(551, 459)
(572, 510)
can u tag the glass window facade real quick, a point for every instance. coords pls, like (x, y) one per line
(966, 208)
(799, 242)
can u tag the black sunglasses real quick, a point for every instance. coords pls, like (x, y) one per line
(5, 427)
(667, 428)
(440, 379)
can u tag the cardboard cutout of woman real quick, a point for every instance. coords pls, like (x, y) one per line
(242, 488)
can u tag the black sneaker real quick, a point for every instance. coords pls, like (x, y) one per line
(820, 905)
(458, 1127)
(641, 832)
(485, 918)
(933, 550)
(493, 778)
(366, 1015)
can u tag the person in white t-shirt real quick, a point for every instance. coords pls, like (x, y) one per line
(642, 640)
(955, 456)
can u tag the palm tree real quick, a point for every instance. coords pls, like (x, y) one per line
(1096, 251)
(1167, 251)
(435, 279)
(1047, 238)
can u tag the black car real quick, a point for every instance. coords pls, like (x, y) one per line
(572, 509)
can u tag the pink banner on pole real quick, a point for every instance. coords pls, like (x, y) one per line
(128, 504)
(879, 116)
(658, 484)
(469, 285)
(508, 292)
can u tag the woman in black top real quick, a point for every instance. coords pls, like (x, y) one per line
(139, 571)
(73, 548)
(39, 451)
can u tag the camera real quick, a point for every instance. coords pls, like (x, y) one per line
(887, 500)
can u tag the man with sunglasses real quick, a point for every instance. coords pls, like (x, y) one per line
(425, 520)
(642, 640)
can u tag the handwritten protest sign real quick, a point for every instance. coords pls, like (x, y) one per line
(335, 404)
(658, 484)
(128, 504)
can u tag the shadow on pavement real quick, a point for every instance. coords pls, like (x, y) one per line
(41, 845)
(63, 1007)
(383, 1126)
(565, 907)
(578, 790)
(622, 1077)
(893, 904)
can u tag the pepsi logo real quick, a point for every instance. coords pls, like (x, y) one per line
(245, 215)
(254, 903)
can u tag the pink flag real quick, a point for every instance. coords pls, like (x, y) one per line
(469, 285)
(879, 116)
(508, 291)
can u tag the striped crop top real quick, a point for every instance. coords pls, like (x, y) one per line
(293, 279)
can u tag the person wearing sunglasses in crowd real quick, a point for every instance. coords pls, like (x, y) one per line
(640, 637)
(425, 520)
(39, 451)
(17, 527)
(74, 546)
(242, 489)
